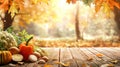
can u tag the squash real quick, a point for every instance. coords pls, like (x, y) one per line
(5, 57)
(7, 40)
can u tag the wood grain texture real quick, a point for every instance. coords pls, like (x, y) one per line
(78, 57)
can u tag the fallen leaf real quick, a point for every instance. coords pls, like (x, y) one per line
(114, 61)
(107, 65)
(48, 65)
(64, 64)
(99, 55)
(89, 59)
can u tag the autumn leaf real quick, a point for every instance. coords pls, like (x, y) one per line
(99, 55)
(106, 9)
(68, 1)
(64, 64)
(114, 61)
(19, 3)
(98, 5)
(97, 8)
(48, 65)
(4, 5)
(73, 1)
(89, 59)
(116, 4)
(107, 65)
(34, 1)
(13, 9)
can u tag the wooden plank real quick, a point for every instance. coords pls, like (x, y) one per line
(105, 59)
(76, 56)
(115, 54)
(65, 56)
(53, 54)
(81, 58)
(112, 51)
(103, 51)
(108, 55)
(94, 62)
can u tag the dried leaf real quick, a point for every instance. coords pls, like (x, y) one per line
(107, 65)
(64, 64)
(89, 59)
(114, 61)
(85, 65)
(99, 55)
(48, 65)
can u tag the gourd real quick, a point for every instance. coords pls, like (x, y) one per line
(5, 57)
(7, 40)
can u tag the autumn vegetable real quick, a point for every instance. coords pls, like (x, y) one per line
(45, 58)
(26, 49)
(32, 58)
(37, 54)
(41, 61)
(5, 57)
(14, 50)
(17, 57)
(7, 40)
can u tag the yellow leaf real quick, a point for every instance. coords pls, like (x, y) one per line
(34, 1)
(106, 9)
(13, 9)
(64, 64)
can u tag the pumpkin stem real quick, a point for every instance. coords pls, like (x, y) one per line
(29, 40)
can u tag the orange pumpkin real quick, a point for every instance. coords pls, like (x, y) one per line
(5, 57)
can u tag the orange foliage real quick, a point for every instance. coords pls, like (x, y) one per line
(4, 5)
(69, 1)
(110, 3)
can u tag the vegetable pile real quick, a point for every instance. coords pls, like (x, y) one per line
(19, 48)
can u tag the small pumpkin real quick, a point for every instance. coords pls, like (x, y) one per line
(5, 57)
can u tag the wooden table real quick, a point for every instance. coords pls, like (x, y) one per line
(79, 57)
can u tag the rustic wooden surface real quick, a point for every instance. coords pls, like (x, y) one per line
(79, 57)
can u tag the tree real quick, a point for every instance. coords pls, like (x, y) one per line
(11, 8)
(77, 29)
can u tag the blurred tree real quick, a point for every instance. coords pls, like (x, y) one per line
(11, 8)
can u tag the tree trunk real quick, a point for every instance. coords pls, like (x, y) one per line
(7, 20)
(117, 19)
(77, 30)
